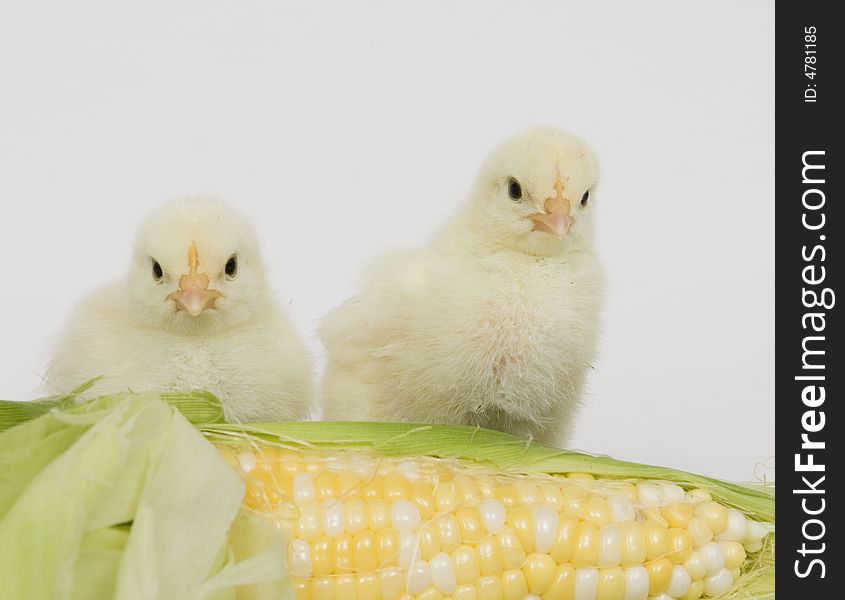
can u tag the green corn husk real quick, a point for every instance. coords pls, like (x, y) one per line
(465, 444)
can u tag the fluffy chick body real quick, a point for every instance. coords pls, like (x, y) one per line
(243, 348)
(491, 324)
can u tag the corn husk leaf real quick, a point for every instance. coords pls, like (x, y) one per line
(122, 498)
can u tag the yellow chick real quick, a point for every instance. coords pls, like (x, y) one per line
(493, 323)
(193, 312)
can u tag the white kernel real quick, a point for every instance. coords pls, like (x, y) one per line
(672, 493)
(718, 584)
(648, 494)
(419, 577)
(586, 584)
(443, 573)
(756, 531)
(610, 545)
(736, 529)
(622, 509)
(407, 548)
(680, 582)
(405, 515)
(303, 487)
(493, 515)
(532, 597)
(333, 518)
(636, 584)
(545, 528)
(300, 558)
(663, 596)
(714, 557)
(246, 459)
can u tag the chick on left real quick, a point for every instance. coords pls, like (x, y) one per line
(194, 311)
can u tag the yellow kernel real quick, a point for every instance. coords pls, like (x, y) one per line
(431, 593)
(470, 524)
(322, 556)
(550, 495)
(468, 491)
(611, 584)
(507, 495)
(395, 487)
(388, 546)
(680, 544)
(695, 566)
(355, 515)
(368, 586)
(633, 544)
(696, 590)
(445, 497)
(391, 582)
(345, 588)
(371, 488)
(734, 555)
(521, 521)
(302, 589)
(700, 531)
(465, 592)
(677, 514)
(422, 494)
(344, 554)
(449, 533)
(380, 516)
(310, 523)
(490, 558)
(326, 486)
(580, 476)
(514, 586)
(365, 551)
(487, 485)
(528, 492)
(659, 575)
(322, 588)
(656, 539)
(428, 541)
(540, 571)
(597, 510)
(512, 552)
(714, 514)
(565, 539)
(563, 585)
(574, 497)
(586, 553)
(349, 485)
(289, 464)
(466, 565)
(490, 588)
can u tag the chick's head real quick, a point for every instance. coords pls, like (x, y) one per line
(196, 267)
(534, 193)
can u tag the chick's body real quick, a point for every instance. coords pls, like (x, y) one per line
(491, 324)
(240, 346)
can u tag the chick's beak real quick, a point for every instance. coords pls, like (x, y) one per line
(556, 217)
(193, 295)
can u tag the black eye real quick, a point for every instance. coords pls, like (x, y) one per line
(232, 267)
(514, 190)
(157, 272)
(585, 198)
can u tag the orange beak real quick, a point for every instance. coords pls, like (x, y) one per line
(557, 216)
(194, 296)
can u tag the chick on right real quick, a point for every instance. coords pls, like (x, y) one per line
(495, 321)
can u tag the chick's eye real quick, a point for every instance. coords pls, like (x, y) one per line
(585, 198)
(514, 190)
(158, 273)
(231, 268)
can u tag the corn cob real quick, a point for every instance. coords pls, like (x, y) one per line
(369, 526)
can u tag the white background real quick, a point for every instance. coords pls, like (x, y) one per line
(347, 129)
